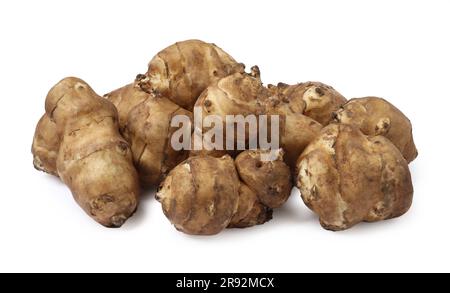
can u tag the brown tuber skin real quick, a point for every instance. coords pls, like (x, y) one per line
(237, 94)
(296, 129)
(244, 94)
(271, 180)
(45, 146)
(125, 99)
(313, 99)
(346, 178)
(94, 161)
(376, 116)
(149, 132)
(353, 170)
(183, 70)
(201, 195)
(251, 211)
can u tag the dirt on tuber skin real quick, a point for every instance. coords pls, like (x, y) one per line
(93, 160)
(183, 70)
(346, 178)
(376, 116)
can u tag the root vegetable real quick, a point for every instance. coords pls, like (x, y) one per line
(313, 99)
(149, 132)
(251, 211)
(45, 146)
(271, 180)
(346, 178)
(296, 130)
(94, 161)
(200, 196)
(376, 116)
(183, 70)
(125, 99)
(237, 94)
(203, 195)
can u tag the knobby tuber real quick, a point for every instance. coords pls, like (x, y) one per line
(45, 146)
(313, 99)
(376, 116)
(346, 178)
(93, 160)
(348, 158)
(270, 179)
(125, 99)
(204, 194)
(183, 70)
(149, 132)
(201, 195)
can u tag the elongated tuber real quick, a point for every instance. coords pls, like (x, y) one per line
(93, 159)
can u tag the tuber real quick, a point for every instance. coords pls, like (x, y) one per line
(200, 196)
(346, 178)
(93, 160)
(313, 99)
(376, 116)
(204, 194)
(45, 146)
(125, 99)
(270, 179)
(149, 133)
(183, 70)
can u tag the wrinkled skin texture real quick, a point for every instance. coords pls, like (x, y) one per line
(313, 99)
(183, 70)
(376, 116)
(125, 99)
(270, 180)
(346, 178)
(149, 132)
(200, 196)
(250, 210)
(94, 161)
(45, 146)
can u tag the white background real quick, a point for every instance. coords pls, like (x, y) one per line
(394, 49)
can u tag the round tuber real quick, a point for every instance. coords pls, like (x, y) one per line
(346, 178)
